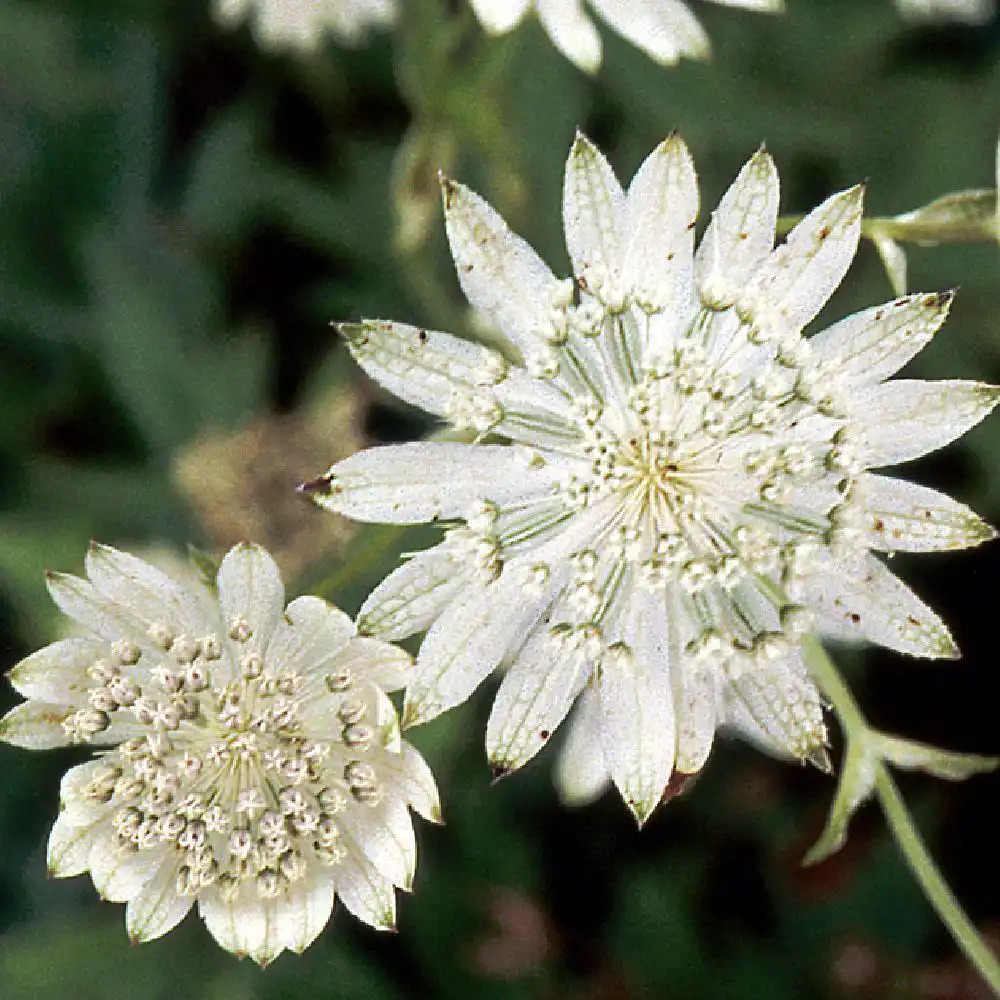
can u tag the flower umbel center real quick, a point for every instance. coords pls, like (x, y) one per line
(223, 770)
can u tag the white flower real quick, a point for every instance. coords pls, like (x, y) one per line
(686, 487)
(254, 763)
(665, 30)
(967, 11)
(301, 24)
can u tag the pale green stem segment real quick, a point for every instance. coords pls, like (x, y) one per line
(965, 217)
(904, 831)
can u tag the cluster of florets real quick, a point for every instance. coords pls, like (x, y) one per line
(669, 482)
(254, 767)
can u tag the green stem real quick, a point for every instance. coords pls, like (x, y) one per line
(904, 830)
(932, 882)
(372, 545)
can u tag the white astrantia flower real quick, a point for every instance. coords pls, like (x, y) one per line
(967, 11)
(668, 484)
(302, 24)
(665, 30)
(250, 760)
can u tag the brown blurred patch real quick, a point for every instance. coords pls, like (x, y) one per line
(522, 941)
(836, 874)
(860, 970)
(242, 484)
(954, 978)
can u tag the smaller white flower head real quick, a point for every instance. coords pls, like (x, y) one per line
(302, 24)
(967, 11)
(665, 30)
(668, 483)
(251, 760)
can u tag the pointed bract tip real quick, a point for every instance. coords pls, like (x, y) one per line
(498, 771)
(449, 189)
(673, 141)
(825, 847)
(322, 486)
(856, 193)
(990, 393)
(819, 757)
(357, 335)
(412, 714)
(641, 811)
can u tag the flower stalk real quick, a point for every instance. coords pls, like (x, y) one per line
(904, 831)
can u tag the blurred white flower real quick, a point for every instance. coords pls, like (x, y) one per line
(685, 490)
(967, 11)
(253, 762)
(302, 24)
(665, 30)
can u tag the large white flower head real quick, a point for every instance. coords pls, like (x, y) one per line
(302, 24)
(253, 762)
(669, 482)
(665, 30)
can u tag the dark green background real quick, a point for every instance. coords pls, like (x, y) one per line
(181, 216)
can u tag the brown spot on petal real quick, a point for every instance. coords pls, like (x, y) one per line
(678, 784)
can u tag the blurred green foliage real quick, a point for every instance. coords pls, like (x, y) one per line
(181, 216)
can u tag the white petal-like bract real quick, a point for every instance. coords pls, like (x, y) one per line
(666, 30)
(302, 24)
(669, 482)
(252, 763)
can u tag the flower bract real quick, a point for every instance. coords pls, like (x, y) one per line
(966, 11)
(302, 24)
(665, 30)
(248, 759)
(664, 483)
